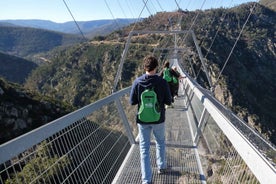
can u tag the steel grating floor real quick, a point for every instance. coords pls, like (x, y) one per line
(181, 154)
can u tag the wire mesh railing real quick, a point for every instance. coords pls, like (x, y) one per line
(229, 149)
(86, 146)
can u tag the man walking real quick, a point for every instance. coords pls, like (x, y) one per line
(169, 74)
(150, 80)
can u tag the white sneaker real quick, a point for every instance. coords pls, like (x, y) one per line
(161, 171)
(169, 106)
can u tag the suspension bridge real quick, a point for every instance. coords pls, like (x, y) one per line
(205, 141)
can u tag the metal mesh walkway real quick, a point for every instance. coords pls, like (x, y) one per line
(181, 156)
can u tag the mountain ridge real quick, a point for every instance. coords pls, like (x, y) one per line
(87, 27)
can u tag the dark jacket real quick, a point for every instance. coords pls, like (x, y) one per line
(161, 88)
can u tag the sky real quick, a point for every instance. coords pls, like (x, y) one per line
(85, 10)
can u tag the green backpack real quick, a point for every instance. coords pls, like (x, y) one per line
(167, 75)
(174, 79)
(149, 109)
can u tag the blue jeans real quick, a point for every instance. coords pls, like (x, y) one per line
(144, 137)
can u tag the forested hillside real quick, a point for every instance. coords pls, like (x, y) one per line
(15, 69)
(84, 73)
(78, 75)
(23, 41)
(269, 3)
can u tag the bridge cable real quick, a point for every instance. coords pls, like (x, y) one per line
(148, 8)
(194, 20)
(119, 71)
(159, 5)
(213, 40)
(209, 23)
(151, 14)
(189, 31)
(251, 10)
(170, 25)
(121, 8)
(167, 42)
(163, 47)
(145, 4)
(74, 20)
(116, 22)
(129, 8)
(219, 28)
(177, 4)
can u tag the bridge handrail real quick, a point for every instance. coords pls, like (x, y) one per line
(259, 165)
(16, 146)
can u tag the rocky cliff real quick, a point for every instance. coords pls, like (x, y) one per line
(22, 111)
